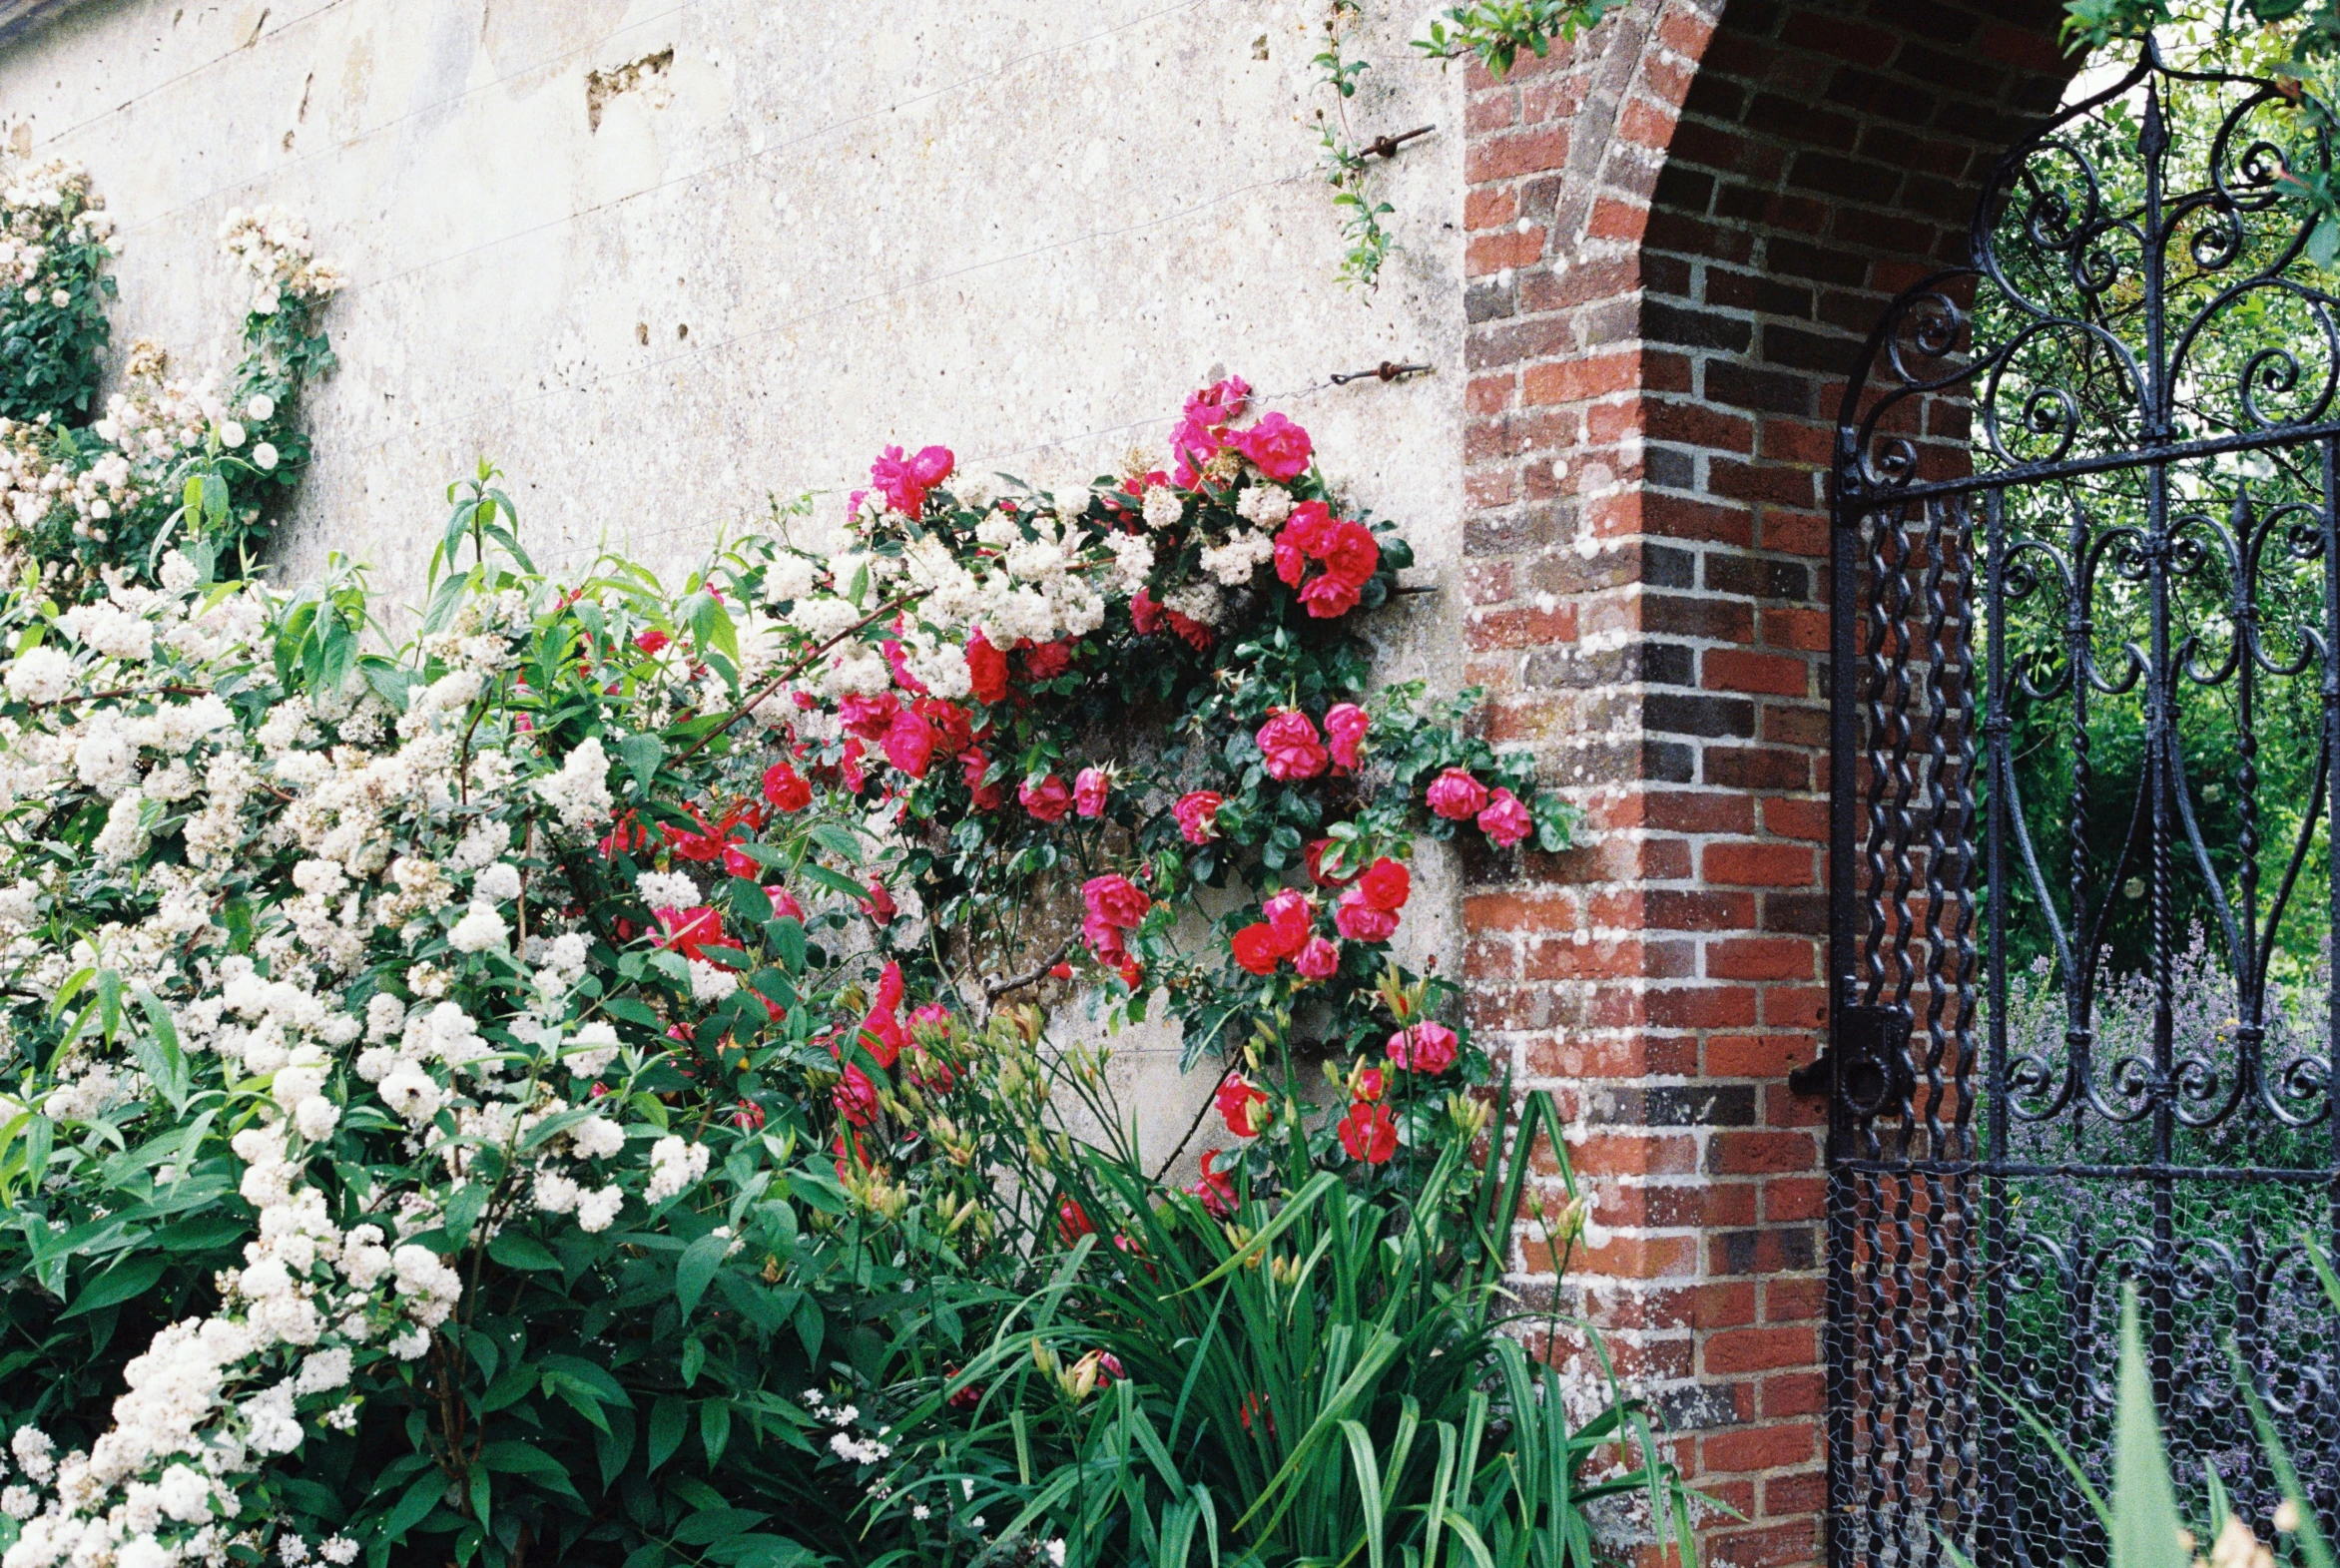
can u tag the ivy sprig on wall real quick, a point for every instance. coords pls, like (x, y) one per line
(1344, 161)
(1498, 32)
(1495, 32)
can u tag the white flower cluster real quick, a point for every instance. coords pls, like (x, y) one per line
(350, 830)
(274, 247)
(43, 206)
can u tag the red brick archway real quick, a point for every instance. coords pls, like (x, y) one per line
(1680, 233)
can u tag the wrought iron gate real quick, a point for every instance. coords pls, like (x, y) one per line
(2086, 705)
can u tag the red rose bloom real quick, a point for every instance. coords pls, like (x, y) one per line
(1197, 815)
(1454, 794)
(1072, 1222)
(973, 766)
(1048, 660)
(1386, 885)
(1369, 1133)
(1116, 900)
(1360, 920)
(1314, 856)
(1425, 1048)
(1049, 800)
(867, 717)
(987, 670)
(1276, 446)
(905, 481)
(689, 932)
(1257, 949)
(1216, 1189)
(651, 641)
(1089, 789)
(1344, 727)
(855, 1098)
(954, 731)
(1293, 920)
(1504, 820)
(1242, 1105)
(1344, 553)
(1289, 743)
(1112, 904)
(909, 743)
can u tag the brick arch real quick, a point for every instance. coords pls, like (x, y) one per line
(1681, 230)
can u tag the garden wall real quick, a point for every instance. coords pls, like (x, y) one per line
(662, 261)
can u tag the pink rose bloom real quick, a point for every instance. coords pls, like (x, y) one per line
(1356, 919)
(1344, 727)
(1424, 1048)
(1049, 800)
(1276, 446)
(1318, 960)
(909, 743)
(1454, 794)
(1089, 791)
(784, 905)
(1292, 919)
(1504, 820)
(1115, 901)
(1292, 750)
(905, 481)
(867, 717)
(1197, 815)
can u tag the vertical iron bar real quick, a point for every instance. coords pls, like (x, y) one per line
(1997, 722)
(2329, 516)
(1843, 800)
(2161, 756)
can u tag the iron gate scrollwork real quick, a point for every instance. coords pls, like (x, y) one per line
(2085, 708)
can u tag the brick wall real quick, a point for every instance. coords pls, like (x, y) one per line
(1680, 231)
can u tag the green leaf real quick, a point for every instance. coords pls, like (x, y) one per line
(118, 1284)
(2146, 1520)
(415, 1506)
(517, 1459)
(715, 1426)
(840, 842)
(465, 1208)
(524, 1253)
(698, 1268)
(2323, 242)
(710, 1525)
(666, 1428)
(642, 753)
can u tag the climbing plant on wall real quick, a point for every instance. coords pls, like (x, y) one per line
(1495, 33)
(592, 1078)
(166, 459)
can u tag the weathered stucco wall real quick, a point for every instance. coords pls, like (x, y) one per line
(789, 234)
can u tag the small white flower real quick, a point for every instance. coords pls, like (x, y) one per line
(263, 456)
(230, 433)
(597, 1208)
(262, 409)
(500, 883)
(480, 930)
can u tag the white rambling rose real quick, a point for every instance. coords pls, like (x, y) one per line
(480, 930)
(40, 674)
(597, 1208)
